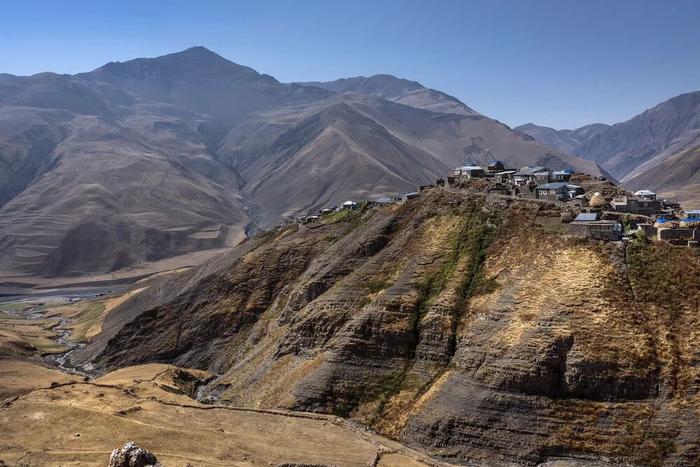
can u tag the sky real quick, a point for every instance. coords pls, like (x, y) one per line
(559, 63)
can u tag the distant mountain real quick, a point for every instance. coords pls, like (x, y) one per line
(664, 135)
(158, 159)
(201, 81)
(676, 176)
(295, 160)
(569, 141)
(397, 90)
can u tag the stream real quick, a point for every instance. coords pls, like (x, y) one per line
(36, 310)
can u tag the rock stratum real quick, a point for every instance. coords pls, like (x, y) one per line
(458, 323)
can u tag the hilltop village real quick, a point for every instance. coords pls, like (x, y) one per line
(590, 207)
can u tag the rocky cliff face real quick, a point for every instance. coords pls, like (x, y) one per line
(454, 322)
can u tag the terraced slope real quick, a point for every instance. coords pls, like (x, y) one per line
(453, 322)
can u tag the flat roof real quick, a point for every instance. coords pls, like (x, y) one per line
(587, 216)
(552, 186)
(470, 167)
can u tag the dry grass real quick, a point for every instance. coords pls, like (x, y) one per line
(83, 422)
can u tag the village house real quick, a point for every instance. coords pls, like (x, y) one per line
(469, 171)
(505, 176)
(543, 177)
(383, 201)
(349, 205)
(562, 175)
(526, 175)
(646, 206)
(558, 191)
(590, 225)
(495, 167)
(553, 191)
(679, 236)
(645, 194)
(408, 196)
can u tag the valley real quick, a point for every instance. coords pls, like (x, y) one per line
(99, 413)
(224, 268)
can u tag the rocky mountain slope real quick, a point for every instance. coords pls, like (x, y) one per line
(154, 159)
(569, 141)
(443, 323)
(657, 140)
(397, 90)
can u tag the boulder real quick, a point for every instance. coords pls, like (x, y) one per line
(133, 456)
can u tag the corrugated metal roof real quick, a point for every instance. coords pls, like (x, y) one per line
(586, 217)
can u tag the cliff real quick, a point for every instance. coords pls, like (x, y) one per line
(455, 322)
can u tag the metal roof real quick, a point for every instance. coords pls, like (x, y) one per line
(586, 217)
(527, 170)
(552, 186)
(563, 172)
(644, 193)
(470, 167)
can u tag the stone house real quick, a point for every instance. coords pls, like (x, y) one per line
(562, 175)
(558, 191)
(645, 206)
(589, 225)
(526, 175)
(495, 167)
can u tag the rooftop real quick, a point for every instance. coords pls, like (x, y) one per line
(470, 167)
(527, 170)
(586, 217)
(553, 186)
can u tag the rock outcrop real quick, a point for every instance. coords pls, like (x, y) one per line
(132, 456)
(454, 322)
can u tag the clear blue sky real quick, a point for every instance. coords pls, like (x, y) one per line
(562, 63)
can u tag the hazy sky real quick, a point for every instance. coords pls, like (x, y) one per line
(556, 62)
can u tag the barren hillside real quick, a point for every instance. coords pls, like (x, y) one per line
(453, 322)
(150, 162)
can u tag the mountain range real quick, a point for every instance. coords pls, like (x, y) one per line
(157, 160)
(657, 149)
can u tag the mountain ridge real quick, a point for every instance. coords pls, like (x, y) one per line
(156, 158)
(639, 145)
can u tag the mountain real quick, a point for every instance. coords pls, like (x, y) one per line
(201, 81)
(453, 322)
(676, 175)
(398, 90)
(356, 146)
(659, 137)
(156, 163)
(568, 141)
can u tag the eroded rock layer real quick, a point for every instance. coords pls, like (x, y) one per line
(456, 322)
